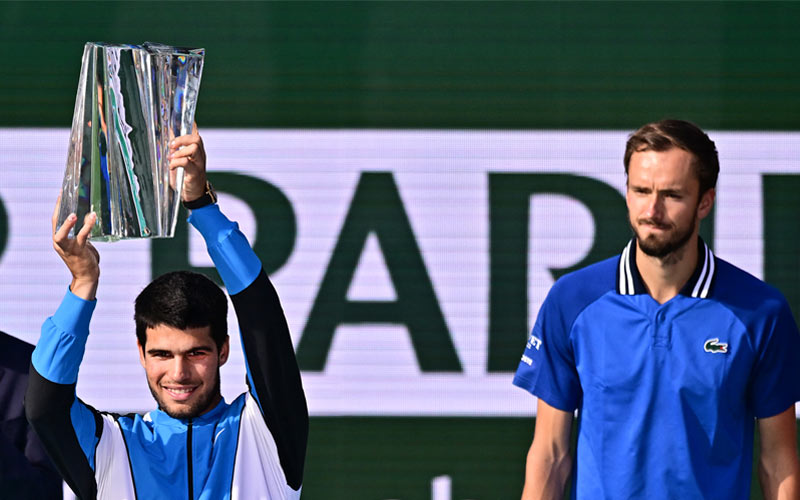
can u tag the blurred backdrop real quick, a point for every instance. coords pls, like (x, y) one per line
(414, 175)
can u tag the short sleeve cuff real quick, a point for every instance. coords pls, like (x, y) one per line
(558, 402)
(776, 405)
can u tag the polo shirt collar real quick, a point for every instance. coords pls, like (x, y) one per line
(629, 281)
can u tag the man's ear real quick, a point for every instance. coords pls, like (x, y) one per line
(141, 352)
(706, 203)
(224, 350)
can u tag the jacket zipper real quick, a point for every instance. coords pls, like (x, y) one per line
(189, 459)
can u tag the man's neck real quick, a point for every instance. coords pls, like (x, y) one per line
(664, 277)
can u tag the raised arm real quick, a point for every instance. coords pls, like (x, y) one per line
(549, 461)
(68, 429)
(778, 467)
(272, 372)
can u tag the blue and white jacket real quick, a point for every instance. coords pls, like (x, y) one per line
(252, 448)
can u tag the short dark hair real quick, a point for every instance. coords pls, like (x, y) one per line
(667, 134)
(182, 300)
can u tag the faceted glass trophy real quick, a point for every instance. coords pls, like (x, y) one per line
(132, 101)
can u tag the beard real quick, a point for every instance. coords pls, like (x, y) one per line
(202, 404)
(662, 248)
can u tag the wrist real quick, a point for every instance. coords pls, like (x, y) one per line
(208, 197)
(85, 288)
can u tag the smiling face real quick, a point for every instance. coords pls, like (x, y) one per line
(182, 368)
(664, 201)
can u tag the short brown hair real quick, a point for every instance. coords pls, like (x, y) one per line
(182, 299)
(667, 134)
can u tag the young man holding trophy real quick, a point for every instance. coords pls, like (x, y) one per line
(195, 444)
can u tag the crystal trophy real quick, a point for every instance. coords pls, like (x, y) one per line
(132, 101)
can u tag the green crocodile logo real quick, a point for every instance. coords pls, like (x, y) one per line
(715, 346)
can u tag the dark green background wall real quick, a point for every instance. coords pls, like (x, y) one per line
(571, 65)
(538, 65)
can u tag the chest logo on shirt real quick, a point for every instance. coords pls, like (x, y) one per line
(715, 346)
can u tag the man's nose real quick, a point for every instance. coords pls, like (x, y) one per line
(655, 207)
(179, 368)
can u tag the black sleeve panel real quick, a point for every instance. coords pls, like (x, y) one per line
(275, 374)
(47, 406)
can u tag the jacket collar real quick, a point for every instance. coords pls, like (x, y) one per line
(700, 284)
(160, 417)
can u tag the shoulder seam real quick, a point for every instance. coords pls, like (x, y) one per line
(586, 306)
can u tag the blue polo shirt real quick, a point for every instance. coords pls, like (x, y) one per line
(667, 393)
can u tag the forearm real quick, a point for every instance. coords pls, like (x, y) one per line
(233, 257)
(273, 374)
(778, 465)
(59, 352)
(546, 474)
(66, 427)
(780, 481)
(549, 461)
(55, 363)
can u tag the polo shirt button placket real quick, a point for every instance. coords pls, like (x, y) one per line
(661, 330)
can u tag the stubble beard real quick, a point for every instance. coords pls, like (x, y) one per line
(194, 410)
(670, 248)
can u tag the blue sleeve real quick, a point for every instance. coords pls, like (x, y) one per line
(235, 261)
(68, 429)
(233, 257)
(775, 380)
(547, 368)
(60, 349)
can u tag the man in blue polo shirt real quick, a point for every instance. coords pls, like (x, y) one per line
(670, 355)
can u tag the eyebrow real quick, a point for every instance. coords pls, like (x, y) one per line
(155, 351)
(666, 190)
